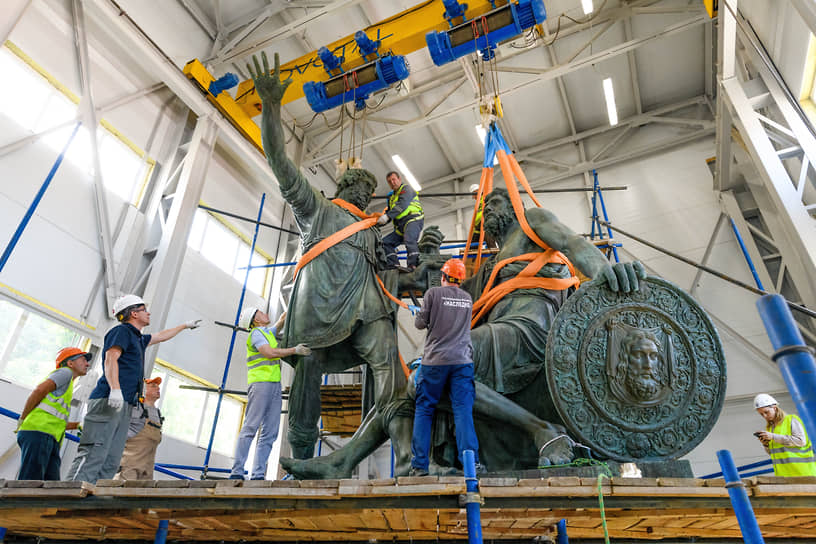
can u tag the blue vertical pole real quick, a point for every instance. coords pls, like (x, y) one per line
(794, 358)
(746, 255)
(36, 202)
(232, 340)
(597, 188)
(472, 501)
(562, 537)
(2, 533)
(161, 532)
(739, 499)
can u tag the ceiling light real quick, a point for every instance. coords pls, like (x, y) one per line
(409, 177)
(609, 94)
(587, 5)
(482, 134)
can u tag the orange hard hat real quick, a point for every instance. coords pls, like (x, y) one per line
(454, 268)
(69, 353)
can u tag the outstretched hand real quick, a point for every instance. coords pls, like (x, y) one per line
(269, 87)
(624, 276)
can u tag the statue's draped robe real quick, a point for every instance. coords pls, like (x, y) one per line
(338, 288)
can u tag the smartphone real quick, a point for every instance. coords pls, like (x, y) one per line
(757, 433)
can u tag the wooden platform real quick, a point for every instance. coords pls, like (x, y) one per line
(406, 509)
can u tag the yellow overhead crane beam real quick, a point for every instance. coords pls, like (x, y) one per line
(400, 34)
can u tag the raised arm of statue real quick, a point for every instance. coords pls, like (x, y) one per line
(584, 255)
(294, 187)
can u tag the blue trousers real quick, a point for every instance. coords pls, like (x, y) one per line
(40, 456)
(431, 384)
(263, 412)
(410, 236)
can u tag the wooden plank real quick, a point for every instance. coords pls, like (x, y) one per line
(785, 490)
(626, 491)
(277, 492)
(152, 492)
(634, 482)
(549, 491)
(680, 482)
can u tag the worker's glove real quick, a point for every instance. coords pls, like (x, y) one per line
(382, 220)
(116, 400)
(303, 349)
(19, 424)
(194, 324)
(413, 309)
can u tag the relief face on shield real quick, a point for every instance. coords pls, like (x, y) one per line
(637, 368)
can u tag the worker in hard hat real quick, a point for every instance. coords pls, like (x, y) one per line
(44, 419)
(263, 408)
(108, 419)
(446, 363)
(785, 439)
(144, 435)
(406, 212)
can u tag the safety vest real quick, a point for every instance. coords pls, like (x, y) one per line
(477, 222)
(51, 414)
(259, 368)
(414, 208)
(791, 460)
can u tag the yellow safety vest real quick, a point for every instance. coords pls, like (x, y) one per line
(259, 368)
(51, 414)
(791, 460)
(477, 223)
(413, 208)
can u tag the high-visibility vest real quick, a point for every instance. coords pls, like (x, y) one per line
(51, 414)
(259, 368)
(791, 460)
(413, 208)
(477, 222)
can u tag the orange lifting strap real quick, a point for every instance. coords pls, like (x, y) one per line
(366, 221)
(527, 278)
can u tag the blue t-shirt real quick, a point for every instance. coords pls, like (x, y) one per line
(131, 362)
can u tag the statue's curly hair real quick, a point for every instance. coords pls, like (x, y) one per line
(354, 175)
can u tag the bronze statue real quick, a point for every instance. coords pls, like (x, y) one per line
(337, 306)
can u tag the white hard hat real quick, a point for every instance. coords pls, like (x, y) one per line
(762, 400)
(247, 315)
(126, 301)
(474, 187)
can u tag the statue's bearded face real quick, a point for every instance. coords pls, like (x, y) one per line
(498, 215)
(643, 373)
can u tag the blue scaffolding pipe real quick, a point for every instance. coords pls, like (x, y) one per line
(320, 440)
(472, 498)
(232, 341)
(746, 255)
(765, 463)
(794, 358)
(739, 500)
(36, 202)
(597, 196)
(562, 537)
(193, 467)
(161, 532)
(177, 475)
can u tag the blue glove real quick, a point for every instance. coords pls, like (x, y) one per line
(413, 309)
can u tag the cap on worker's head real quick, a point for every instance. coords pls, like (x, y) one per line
(474, 187)
(124, 302)
(454, 269)
(66, 354)
(762, 400)
(247, 316)
(154, 381)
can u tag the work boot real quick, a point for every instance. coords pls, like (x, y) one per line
(417, 472)
(481, 470)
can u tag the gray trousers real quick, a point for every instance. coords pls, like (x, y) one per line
(263, 412)
(104, 433)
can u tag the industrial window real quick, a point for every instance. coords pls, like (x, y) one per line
(807, 95)
(30, 343)
(40, 104)
(224, 248)
(189, 413)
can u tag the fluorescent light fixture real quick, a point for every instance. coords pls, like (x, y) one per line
(587, 5)
(609, 94)
(409, 177)
(482, 134)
